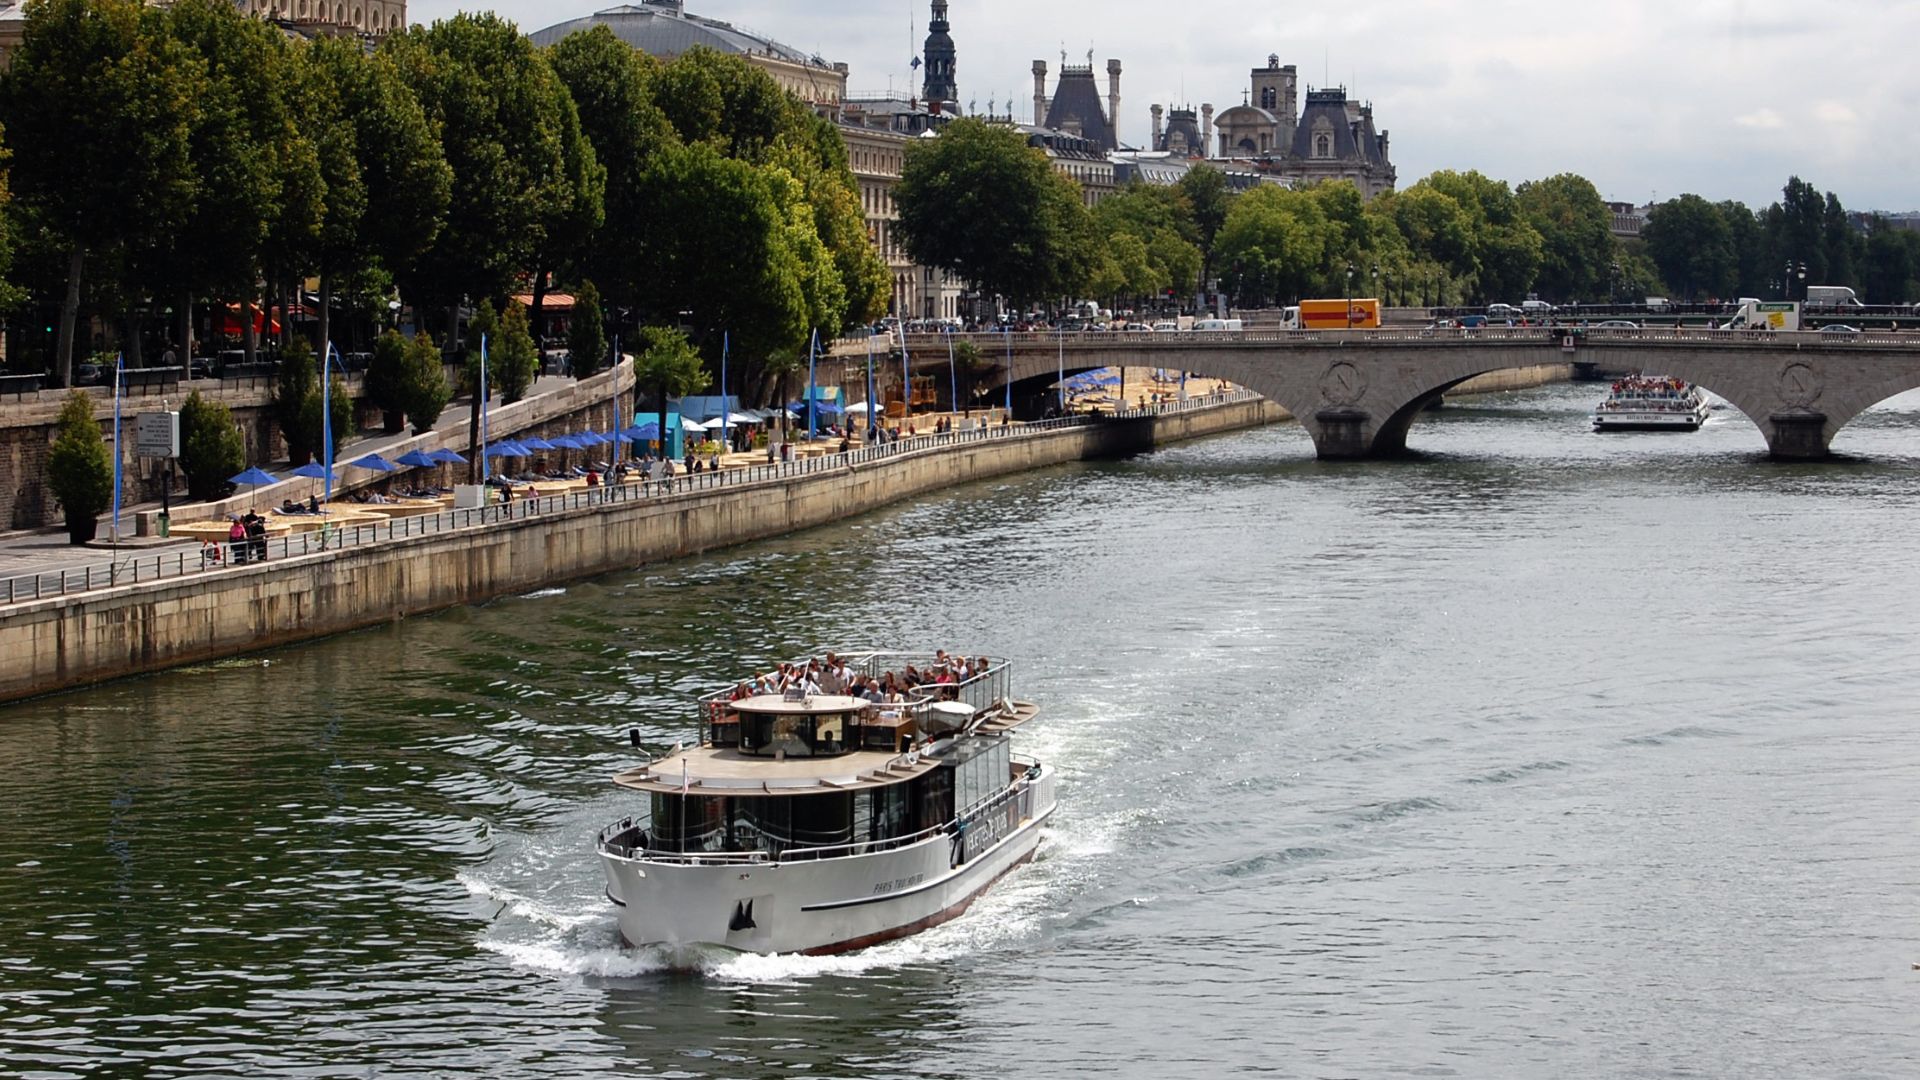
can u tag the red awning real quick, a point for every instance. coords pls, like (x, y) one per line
(229, 321)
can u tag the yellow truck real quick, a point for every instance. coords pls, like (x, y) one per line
(1356, 314)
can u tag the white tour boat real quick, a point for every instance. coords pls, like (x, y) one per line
(824, 822)
(1651, 403)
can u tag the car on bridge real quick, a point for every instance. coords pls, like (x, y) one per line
(1617, 324)
(1839, 329)
(1502, 311)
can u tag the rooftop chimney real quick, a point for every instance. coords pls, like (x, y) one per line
(1206, 131)
(1113, 99)
(1155, 144)
(1039, 92)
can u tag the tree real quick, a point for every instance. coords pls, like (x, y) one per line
(387, 181)
(1206, 191)
(1689, 240)
(212, 447)
(386, 377)
(1506, 249)
(586, 335)
(314, 429)
(86, 66)
(8, 294)
(1576, 235)
(980, 202)
(610, 84)
(1889, 263)
(501, 117)
(476, 381)
(79, 472)
(1274, 246)
(668, 363)
(297, 382)
(513, 362)
(424, 392)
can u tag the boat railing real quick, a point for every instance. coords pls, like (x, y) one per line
(975, 831)
(982, 691)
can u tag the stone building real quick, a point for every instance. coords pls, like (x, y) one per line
(940, 91)
(877, 132)
(663, 28)
(1329, 137)
(1075, 108)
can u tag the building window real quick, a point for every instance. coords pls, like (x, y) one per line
(1322, 146)
(1268, 99)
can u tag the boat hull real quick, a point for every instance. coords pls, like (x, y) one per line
(1679, 421)
(819, 906)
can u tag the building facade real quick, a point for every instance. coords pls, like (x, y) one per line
(309, 18)
(1326, 136)
(877, 132)
(1075, 108)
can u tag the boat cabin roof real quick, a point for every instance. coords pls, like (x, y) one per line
(814, 705)
(724, 771)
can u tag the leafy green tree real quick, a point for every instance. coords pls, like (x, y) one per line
(79, 471)
(668, 364)
(1161, 220)
(571, 214)
(1205, 189)
(9, 295)
(99, 115)
(387, 181)
(781, 366)
(385, 383)
(980, 202)
(513, 361)
(1273, 247)
(1689, 240)
(298, 382)
(424, 392)
(313, 429)
(256, 180)
(586, 332)
(611, 86)
(1576, 233)
(212, 447)
(1506, 247)
(502, 116)
(1753, 263)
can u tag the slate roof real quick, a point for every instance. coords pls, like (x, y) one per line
(1076, 106)
(663, 28)
(1332, 105)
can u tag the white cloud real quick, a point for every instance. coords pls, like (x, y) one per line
(1637, 95)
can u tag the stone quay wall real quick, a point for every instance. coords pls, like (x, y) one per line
(61, 643)
(1526, 378)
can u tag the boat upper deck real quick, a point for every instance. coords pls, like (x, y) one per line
(717, 770)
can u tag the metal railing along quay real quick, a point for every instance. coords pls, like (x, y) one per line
(217, 558)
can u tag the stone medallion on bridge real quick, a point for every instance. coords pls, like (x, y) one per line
(1343, 384)
(1800, 385)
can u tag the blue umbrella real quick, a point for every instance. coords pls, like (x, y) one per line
(313, 470)
(448, 457)
(372, 461)
(535, 442)
(416, 459)
(584, 439)
(508, 449)
(255, 476)
(563, 442)
(647, 432)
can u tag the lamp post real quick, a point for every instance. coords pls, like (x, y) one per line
(1348, 316)
(1613, 284)
(1795, 271)
(1376, 281)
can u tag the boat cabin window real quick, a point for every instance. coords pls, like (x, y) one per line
(798, 735)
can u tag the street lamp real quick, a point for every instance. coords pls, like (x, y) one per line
(1349, 312)
(1795, 271)
(1376, 280)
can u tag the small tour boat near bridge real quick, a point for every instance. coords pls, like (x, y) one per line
(825, 822)
(1651, 403)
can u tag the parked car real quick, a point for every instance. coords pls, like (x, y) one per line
(87, 374)
(1502, 311)
(1535, 308)
(1839, 329)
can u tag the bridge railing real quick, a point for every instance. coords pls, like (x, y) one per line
(1095, 340)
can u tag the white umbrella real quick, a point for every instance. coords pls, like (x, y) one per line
(714, 424)
(860, 407)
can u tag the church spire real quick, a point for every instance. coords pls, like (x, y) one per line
(940, 89)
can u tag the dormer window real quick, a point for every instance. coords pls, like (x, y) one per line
(1322, 146)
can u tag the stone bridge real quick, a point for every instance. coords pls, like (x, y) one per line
(1358, 391)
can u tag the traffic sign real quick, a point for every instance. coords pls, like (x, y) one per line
(157, 434)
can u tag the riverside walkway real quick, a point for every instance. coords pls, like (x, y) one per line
(76, 577)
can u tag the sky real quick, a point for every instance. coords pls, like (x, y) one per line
(1722, 98)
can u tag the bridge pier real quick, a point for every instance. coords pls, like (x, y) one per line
(1798, 435)
(1342, 434)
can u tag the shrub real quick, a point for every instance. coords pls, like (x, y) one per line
(386, 374)
(212, 447)
(424, 392)
(79, 470)
(512, 361)
(586, 338)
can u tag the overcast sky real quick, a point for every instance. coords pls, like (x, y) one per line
(1725, 98)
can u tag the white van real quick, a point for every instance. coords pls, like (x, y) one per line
(1233, 325)
(1658, 303)
(1165, 326)
(1535, 308)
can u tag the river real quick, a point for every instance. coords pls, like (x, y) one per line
(1544, 754)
